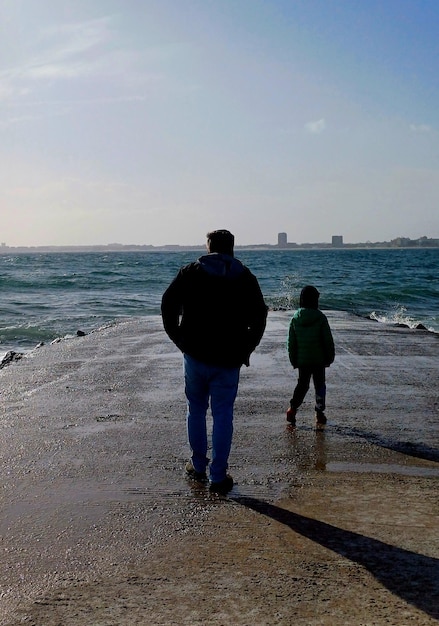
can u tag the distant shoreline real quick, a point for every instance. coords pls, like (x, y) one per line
(385, 245)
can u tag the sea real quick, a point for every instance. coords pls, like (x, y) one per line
(47, 296)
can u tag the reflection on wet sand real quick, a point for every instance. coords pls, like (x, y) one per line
(307, 448)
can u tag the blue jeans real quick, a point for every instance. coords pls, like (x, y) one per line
(219, 385)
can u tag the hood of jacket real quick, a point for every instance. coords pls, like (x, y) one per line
(218, 264)
(307, 317)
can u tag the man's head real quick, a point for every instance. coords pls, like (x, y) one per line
(221, 241)
(309, 297)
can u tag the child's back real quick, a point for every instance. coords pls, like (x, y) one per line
(310, 339)
(310, 349)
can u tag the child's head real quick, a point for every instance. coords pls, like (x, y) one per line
(309, 297)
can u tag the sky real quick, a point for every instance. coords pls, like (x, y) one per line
(155, 121)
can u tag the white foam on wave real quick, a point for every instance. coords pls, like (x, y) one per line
(397, 316)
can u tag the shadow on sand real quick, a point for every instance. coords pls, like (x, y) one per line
(413, 577)
(417, 450)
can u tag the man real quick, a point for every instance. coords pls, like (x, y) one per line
(215, 314)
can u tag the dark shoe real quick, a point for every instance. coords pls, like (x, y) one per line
(291, 415)
(192, 473)
(320, 418)
(223, 487)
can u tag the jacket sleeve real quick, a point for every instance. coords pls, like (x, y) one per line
(171, 309)
(292, 345)
(257, 318)
(328, 343)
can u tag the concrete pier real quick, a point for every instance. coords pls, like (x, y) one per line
(99, 524)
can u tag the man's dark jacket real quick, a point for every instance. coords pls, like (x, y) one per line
(214, 311)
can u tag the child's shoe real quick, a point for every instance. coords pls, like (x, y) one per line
(320, 418)
(291, 415)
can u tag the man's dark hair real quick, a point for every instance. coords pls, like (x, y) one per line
(221, 241)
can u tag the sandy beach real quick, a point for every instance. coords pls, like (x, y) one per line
(100, 526)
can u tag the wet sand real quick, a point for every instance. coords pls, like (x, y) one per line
(100, 526)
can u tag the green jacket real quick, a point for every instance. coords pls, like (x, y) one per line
(310, 339)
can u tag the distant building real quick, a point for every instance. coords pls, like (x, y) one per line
(337, 241)
(402, 242)
(282, 240)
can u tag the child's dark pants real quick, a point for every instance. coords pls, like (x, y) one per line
(318, 376)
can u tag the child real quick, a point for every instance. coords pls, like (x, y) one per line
(310, 349)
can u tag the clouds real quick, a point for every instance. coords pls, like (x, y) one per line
(70, 54)
(316, 127)
(70, 39)
(59, 54)
(421, 128)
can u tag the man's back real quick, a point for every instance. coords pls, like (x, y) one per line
(222, 310)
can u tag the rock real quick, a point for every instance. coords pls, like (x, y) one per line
(10, 357)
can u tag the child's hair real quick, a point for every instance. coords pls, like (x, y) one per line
(309, 297)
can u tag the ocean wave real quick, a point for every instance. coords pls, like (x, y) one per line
(51, 295)
(399, 316)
